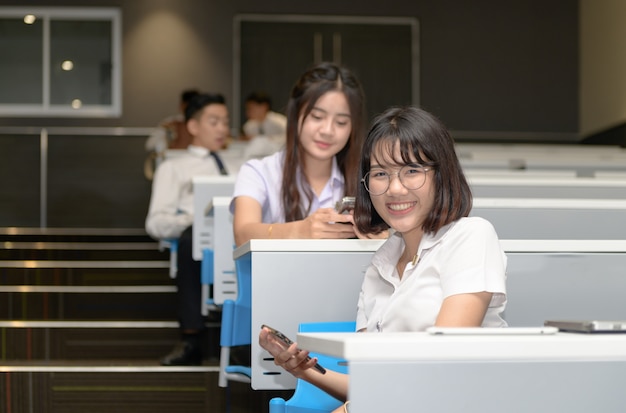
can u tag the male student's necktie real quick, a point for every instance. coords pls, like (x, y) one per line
(220, 164)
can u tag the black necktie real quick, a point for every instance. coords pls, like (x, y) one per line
(220, 164)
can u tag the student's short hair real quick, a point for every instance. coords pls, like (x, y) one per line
(259, 97)
(200, 101)
(422, 138)
(187, 94)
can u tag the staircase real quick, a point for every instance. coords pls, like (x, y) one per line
(85, 315)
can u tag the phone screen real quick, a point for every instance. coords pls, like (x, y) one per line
(286, 341)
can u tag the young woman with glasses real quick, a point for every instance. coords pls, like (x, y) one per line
(439, 267)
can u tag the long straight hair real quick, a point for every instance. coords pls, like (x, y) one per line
(313, 84)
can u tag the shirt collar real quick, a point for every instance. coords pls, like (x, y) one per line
(198, 151)
(391, 250)
(336, 175)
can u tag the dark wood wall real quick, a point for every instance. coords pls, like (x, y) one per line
(505, 68)
(484, 65)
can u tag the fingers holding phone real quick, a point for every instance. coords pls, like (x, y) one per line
(326, 223)
(285, 352)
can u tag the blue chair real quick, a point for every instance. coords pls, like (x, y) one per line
(207, 280)
(236, 327)
(172, 245)
(308, 398)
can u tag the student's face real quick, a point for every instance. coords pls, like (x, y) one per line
(210, 128)
(402, 209)
(326, 129)
(256, 111)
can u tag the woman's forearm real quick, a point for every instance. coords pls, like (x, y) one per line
(333, 383)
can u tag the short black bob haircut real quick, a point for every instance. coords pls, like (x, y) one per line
(424, 138)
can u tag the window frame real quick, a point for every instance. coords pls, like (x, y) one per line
(46, 109)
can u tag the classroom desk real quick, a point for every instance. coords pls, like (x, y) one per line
(415, 372)
(296, 281)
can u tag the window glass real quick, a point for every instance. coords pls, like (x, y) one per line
(60, 61)
(21, 69)
(80, 63)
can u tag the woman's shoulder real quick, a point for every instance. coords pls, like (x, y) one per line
(474, 226)
(271, 164)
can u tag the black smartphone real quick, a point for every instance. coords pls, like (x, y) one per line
(287, 342)
(345, 205)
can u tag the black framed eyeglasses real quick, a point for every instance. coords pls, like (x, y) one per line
(412, 176)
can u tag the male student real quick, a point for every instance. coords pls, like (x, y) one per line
(171, 213)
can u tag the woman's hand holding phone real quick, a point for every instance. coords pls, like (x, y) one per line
(326, 223)
(285, 352)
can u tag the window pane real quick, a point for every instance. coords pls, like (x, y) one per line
(21, 48)
(80, 62)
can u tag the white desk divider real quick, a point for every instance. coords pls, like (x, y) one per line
(554, 218)
(471, 172)
(564, 279)
(296, 281)
(409, 372)
(223, 241)
(204, 189)
(547, 187)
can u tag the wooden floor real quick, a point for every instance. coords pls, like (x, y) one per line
(84, 319)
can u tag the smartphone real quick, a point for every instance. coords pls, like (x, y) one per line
(345, 205)
(287, 342)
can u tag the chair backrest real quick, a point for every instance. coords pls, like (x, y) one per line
(237, 331)
(236, 328)
(307, 398)
(172, 245)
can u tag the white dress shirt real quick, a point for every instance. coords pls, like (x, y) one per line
(261, 179)
(274, 126)
(171, 203)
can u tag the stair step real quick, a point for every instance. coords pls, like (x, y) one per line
(150, 289)
(74, 234)
(91, 324)
(99, 366)
(173, 389)
(67, 264)
(107, 340)
(129, 251)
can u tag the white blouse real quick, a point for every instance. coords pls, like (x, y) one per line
(462, 257)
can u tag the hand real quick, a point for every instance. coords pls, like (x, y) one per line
(327, 223)
(291, 359)
(381, 235)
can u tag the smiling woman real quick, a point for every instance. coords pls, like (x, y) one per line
(440, 267)
(292, 193)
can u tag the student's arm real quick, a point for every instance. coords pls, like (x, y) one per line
(164, 220)
(294, 361)
(463, 310)
(323, 223)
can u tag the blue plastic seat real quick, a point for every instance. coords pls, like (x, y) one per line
(236, 327)
(172, 245)
(308, 398)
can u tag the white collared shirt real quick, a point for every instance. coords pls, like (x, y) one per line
(463, 257)
(261, 179)
(171, 203)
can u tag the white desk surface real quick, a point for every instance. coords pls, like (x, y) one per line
(356, 245)
(307, 245)
(356, 347)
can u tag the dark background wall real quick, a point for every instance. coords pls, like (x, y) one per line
(485, 65)
(488, 68)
